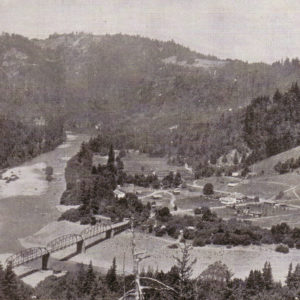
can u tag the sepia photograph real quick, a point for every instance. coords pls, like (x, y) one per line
(149, 149)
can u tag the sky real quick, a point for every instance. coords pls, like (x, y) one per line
(251, 30)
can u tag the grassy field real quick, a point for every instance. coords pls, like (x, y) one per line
(195, 201)
(137, 163)
(250, 187)
(267, 165)
(291, 218)
(240, 259)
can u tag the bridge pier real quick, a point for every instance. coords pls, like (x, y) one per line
(109, 233)
(80, 247)
(45, 259)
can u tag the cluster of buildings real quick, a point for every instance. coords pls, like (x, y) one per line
(234, 198)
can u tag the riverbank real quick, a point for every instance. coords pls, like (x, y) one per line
(23, 181)
(29, 202)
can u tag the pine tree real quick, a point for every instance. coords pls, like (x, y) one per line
(111, 277)
(258, 280)
(267, 276)
(295, 89)
(235, 158)
(277, 97)
(10, 285)
(81, 275)
(224, 159)
(2, 297)
(289, 278)
(177, 179)
(250, 282)
(89, 279)
(185, 269)
(296, 276)
(111, 158)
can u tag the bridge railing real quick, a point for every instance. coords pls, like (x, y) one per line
(26, 255)
(63, 242)
(95, 230)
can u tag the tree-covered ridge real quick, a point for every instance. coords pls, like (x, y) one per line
(113, 77)
(31, 79)
(267, 126)
(20, 142)
(124, 85)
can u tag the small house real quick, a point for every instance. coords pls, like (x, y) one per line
(119, 194)
(228, 200)
(103, 219)
(176, 192)
(255, 214)
(156, 196)
(232, 184)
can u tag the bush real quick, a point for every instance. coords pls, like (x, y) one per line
(208, 189)
(163, 214)
(188, 234)
(282, 248)
(173, 246)
(160, 231)
(198, 242)
(72, 215)
(297, 244)
(85, 220)
(289, 242)
(49, 178)
(197, 211)
(49, 171)
(172, 231)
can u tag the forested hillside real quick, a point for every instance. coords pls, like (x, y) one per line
(157, 96)
(20, 142)
(88, 77)
(268, 126)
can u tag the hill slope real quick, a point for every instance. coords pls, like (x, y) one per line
(158, 96)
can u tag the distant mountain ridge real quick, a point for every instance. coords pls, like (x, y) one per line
(129, 73)
(132, 86)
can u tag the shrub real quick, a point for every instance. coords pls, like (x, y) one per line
(163, 214)
(160, 231)
(188, 234)
(197, 211)
(93, 220)
(49, 178)
(289, 242)
(208, 189)
(85, 220)
(172, 231)
(267, 239)
(282, 248)
(297, 244)
(173, 246)
(72, 215)
(198, 242)
(49, 171)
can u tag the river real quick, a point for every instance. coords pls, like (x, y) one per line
(29, 203)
